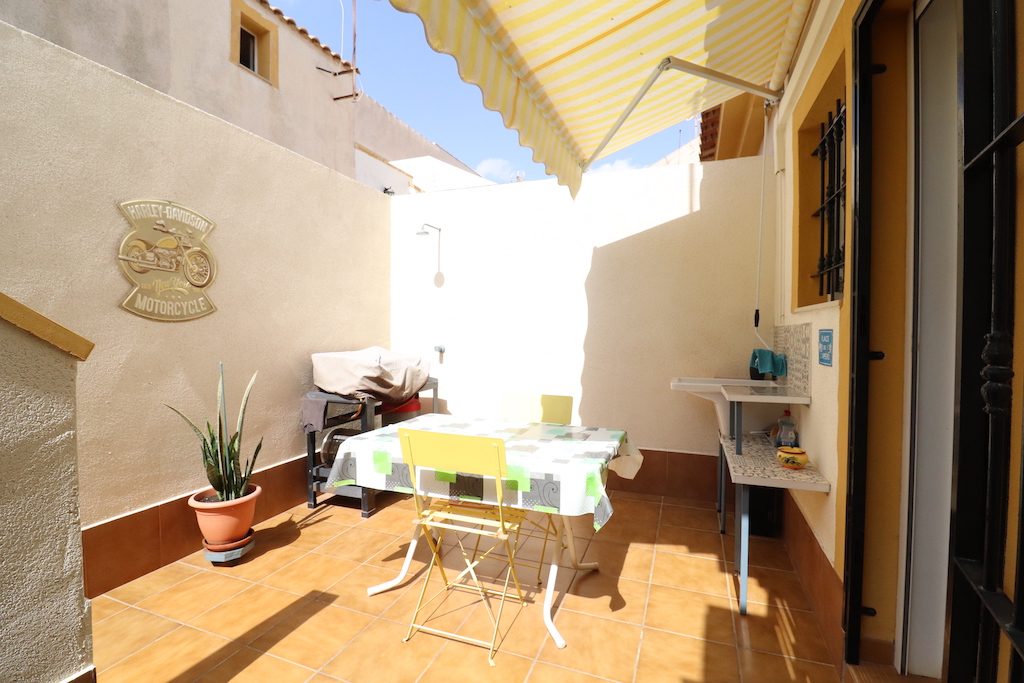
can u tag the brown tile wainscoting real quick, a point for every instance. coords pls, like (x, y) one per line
(824, 588)
(678, 475)
(87, 676)
(821, 583)
(877, 650)
(167, 532)
(123, 549)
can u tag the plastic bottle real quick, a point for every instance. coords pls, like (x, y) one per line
(787, 430)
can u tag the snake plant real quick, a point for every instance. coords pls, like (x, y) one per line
(221, 453)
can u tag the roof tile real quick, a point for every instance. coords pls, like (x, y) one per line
(303, 31)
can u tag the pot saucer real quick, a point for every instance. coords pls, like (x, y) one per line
(224, 547)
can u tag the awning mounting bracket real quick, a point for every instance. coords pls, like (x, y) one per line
(664, 65)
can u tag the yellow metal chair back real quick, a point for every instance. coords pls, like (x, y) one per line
(473, 455)
(480, 455)
(537, 408)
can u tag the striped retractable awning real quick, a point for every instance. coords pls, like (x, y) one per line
(561, 72)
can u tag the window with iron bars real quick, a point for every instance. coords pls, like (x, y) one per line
(831, 213)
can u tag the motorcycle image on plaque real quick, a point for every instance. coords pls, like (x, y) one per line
(167, 259)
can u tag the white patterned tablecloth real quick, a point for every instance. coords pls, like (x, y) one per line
(560, 469)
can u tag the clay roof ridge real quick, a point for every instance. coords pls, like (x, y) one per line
(291, 22)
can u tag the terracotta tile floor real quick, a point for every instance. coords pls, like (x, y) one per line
(661, 608)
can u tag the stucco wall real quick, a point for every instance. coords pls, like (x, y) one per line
(46, 627)
(822, 425)
(303, 256)
(387, 136)
(182, 48)
(381, 175)
(817, 423)
(648, 275)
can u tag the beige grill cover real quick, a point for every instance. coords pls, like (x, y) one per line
(389, 376)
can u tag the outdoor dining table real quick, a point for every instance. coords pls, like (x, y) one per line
(560, 470)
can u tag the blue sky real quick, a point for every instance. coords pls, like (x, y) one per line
(423, 88)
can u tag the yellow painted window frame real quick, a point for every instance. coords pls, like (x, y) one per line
(265, 30)
(807, 227)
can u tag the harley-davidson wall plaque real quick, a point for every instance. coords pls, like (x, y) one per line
(167, 259)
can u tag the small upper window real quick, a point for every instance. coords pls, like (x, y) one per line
(253, 41)
(247, 50)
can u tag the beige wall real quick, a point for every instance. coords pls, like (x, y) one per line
(386, 136)
(182, 48)
(820, 422)
(648, 275)
(303, 256)
(46, 630)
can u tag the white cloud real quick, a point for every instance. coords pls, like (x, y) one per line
(617, 165)
(499, 170)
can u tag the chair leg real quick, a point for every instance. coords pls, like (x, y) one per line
(549, 533)
(486, 592)
(496, 619)
(438, 552)
(435, 558)
(512, 572)
(419, 606)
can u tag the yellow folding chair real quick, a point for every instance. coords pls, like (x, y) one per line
(537, 408)
(447, 454)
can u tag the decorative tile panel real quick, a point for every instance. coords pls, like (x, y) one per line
(795, 342)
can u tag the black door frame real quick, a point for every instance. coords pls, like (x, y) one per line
(979, 612)
(859, 297)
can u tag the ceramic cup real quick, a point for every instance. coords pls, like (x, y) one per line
(791, 457)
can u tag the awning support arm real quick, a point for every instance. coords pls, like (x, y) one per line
(689, 68)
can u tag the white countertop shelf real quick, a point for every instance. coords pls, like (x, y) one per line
(777, 394)
(758, 466)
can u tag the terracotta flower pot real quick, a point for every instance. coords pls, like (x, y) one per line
(224, 521)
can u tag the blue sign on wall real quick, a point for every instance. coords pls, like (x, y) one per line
(825, 347)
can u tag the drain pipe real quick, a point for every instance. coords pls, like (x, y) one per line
(355, 89)
(760, 231)
(790, 40)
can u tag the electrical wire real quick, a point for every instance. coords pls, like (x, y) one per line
(341, 48)
(357, 90)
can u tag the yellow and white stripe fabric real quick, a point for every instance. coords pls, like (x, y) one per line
(561, 71)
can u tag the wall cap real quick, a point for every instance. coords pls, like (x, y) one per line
(37, 324)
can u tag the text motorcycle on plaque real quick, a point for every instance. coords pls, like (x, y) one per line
(166, 258)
